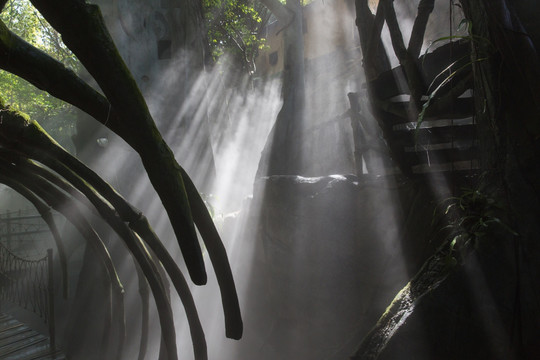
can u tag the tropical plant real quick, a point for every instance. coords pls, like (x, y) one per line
(471, 217)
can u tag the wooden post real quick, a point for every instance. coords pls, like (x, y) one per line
(358, 136)
(52, 330)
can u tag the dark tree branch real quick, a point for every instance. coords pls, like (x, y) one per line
(519, 57)
(369, 29)
(48, 74)
(414, 80)
(100, 195)
(218, 256)
(82, 29)
(69, 167)
(58, 201)
(145, 315)
(84, 32)
(142, 258)
(429, 277)
(395, 31)
(419, 28)
(83, 96)
(24, 135)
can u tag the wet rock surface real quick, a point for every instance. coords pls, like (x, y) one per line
(329, 260)
(474, 309)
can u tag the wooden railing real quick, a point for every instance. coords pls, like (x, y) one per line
(30, 285)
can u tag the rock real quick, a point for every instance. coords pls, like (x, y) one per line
(331, 260)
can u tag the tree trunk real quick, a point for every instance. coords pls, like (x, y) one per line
(282, 154)
(190, 53)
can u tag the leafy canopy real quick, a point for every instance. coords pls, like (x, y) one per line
(234, 28)
(56, 116)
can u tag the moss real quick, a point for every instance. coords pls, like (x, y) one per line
(18, 127)
(434, 272)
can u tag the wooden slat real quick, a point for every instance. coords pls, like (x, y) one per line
(393, 113)
(393, 82)
(20, 342)
(15, 338)
(434, 135)
(39, 352)
(15, 330)
(458, 166)
(430, 124)
(440, 156)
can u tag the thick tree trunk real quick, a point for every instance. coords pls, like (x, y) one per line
(282, 154)
(369, 30)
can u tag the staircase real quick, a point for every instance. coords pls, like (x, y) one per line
(19, 342)
(444, 138)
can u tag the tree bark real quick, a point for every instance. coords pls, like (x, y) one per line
(282, 154)
(406, 60)
(419, 28)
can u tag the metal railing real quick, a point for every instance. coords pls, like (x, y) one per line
(30, 285)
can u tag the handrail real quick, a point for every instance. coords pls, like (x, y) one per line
(29, 284)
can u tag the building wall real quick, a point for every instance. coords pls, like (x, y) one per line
(329, 26)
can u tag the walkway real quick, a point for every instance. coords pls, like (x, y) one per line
(19, 342)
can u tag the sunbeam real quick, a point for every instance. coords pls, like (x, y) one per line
(270, 179)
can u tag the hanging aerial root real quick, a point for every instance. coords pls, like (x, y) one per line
(48, 74)
(83, 96)
(84, 32)
(45, 211)
(425, 8)
(220, 262)
(55, 197)
(115, 211)
(59, 201)
(44, 74)
(117, 307)
(43, 149)
(145, 314)
(25, 163)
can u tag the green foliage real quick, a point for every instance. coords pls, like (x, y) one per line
(57, 117)
(234, 28)
(449, 73)
(472, 216)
